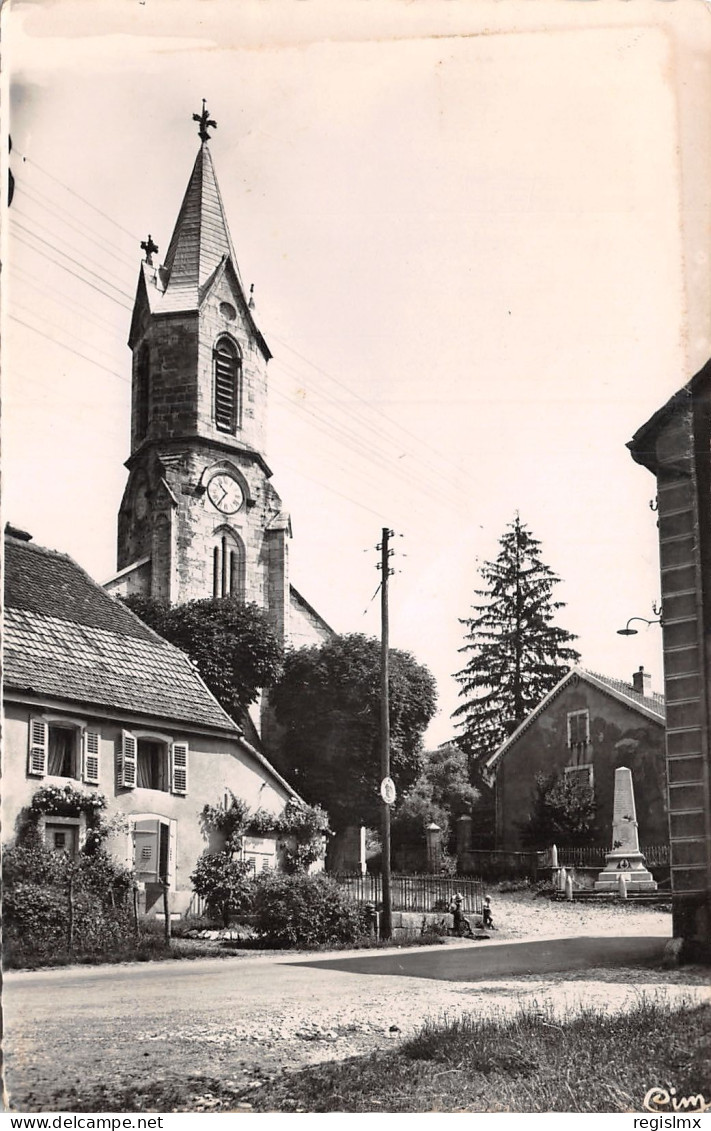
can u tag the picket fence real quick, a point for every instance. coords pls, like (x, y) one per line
(414, 892)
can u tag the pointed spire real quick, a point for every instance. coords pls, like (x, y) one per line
(201, 238)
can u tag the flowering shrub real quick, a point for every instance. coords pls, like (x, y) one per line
(225, 884)
(52, 901)
(307, 825)
(305, 910)
(67, 801)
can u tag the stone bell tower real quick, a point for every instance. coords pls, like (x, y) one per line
(199, 517)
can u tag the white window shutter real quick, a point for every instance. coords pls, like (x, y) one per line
(179, 767)
(90, 759)
(37, 750)
(127, 760)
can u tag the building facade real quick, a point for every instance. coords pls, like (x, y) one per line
(587, 727)
(675, 445)
(200, 517)
(97, 702)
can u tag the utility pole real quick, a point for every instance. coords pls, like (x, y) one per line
(387, 789)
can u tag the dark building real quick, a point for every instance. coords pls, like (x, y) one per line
(675, 445)
(587, 726)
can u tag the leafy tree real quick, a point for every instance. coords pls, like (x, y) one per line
(328, 702)
(516, 655)
(441, 793)
(225, 883)
(563, 812)
(232, 644)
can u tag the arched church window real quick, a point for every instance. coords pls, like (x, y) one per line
(143, 392)
(228, 565)
(227, 365)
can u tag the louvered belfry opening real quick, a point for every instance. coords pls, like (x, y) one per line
(228, 382)
(228, 568)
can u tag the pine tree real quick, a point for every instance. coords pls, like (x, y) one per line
(516, 654)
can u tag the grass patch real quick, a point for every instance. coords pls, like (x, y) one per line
(529, 1062)
(147, 948)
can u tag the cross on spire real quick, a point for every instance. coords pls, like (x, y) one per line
(150, 249)
(205, 121)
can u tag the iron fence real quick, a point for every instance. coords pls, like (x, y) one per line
(414, 893)
(593, 855)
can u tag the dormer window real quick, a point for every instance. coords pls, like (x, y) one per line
(227, 399)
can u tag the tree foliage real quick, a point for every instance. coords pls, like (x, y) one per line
(562, 813)
(328, 701)
(441, 793)
(226, 884)
(305, 910)
(232, 644)
(515, 654)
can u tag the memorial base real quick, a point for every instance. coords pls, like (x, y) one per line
(632, 867)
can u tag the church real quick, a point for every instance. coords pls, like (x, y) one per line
(199, 516)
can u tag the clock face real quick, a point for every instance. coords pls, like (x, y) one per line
(225, 493)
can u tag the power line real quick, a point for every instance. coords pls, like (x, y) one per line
(27, 279)
(76, 262)
(56, 341)
(40, 200)
(44, 228)
(36, 165)
(63, 266)
(364, 400)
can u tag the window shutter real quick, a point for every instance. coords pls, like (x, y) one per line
(91, 757)
(127, 760)
(179, 767)
(578, 732)
(37, 751)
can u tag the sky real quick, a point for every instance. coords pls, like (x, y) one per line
(478, 235)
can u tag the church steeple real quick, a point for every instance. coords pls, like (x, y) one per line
(201, 238)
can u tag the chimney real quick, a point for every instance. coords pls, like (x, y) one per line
(642, 682)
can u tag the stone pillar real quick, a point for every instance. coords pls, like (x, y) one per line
(554, 856)
(464, 835)
(434, 847)
(625, 861)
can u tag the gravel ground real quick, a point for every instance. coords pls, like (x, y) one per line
(244, 1020)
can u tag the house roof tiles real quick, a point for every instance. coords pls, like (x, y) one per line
(653, 706)
(65, 637)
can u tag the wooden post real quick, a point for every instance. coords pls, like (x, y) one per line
(135, 912)
(386, 923)
(166, 911)
(70, 909)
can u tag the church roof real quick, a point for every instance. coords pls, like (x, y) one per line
(199, 253)
(652, 706)
(201, 237)
(66, 638)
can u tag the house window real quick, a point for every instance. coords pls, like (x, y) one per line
(151, 761)
(228, 566)
(583, 774)
(62, 749)
(151, 758)
(578, 728)
(227, 385)
(62, 836)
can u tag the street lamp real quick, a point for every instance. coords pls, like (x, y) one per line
(627, 631)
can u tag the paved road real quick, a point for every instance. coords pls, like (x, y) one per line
(475, 964)
(232, 1017)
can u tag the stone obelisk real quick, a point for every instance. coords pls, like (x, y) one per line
(625, 859)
